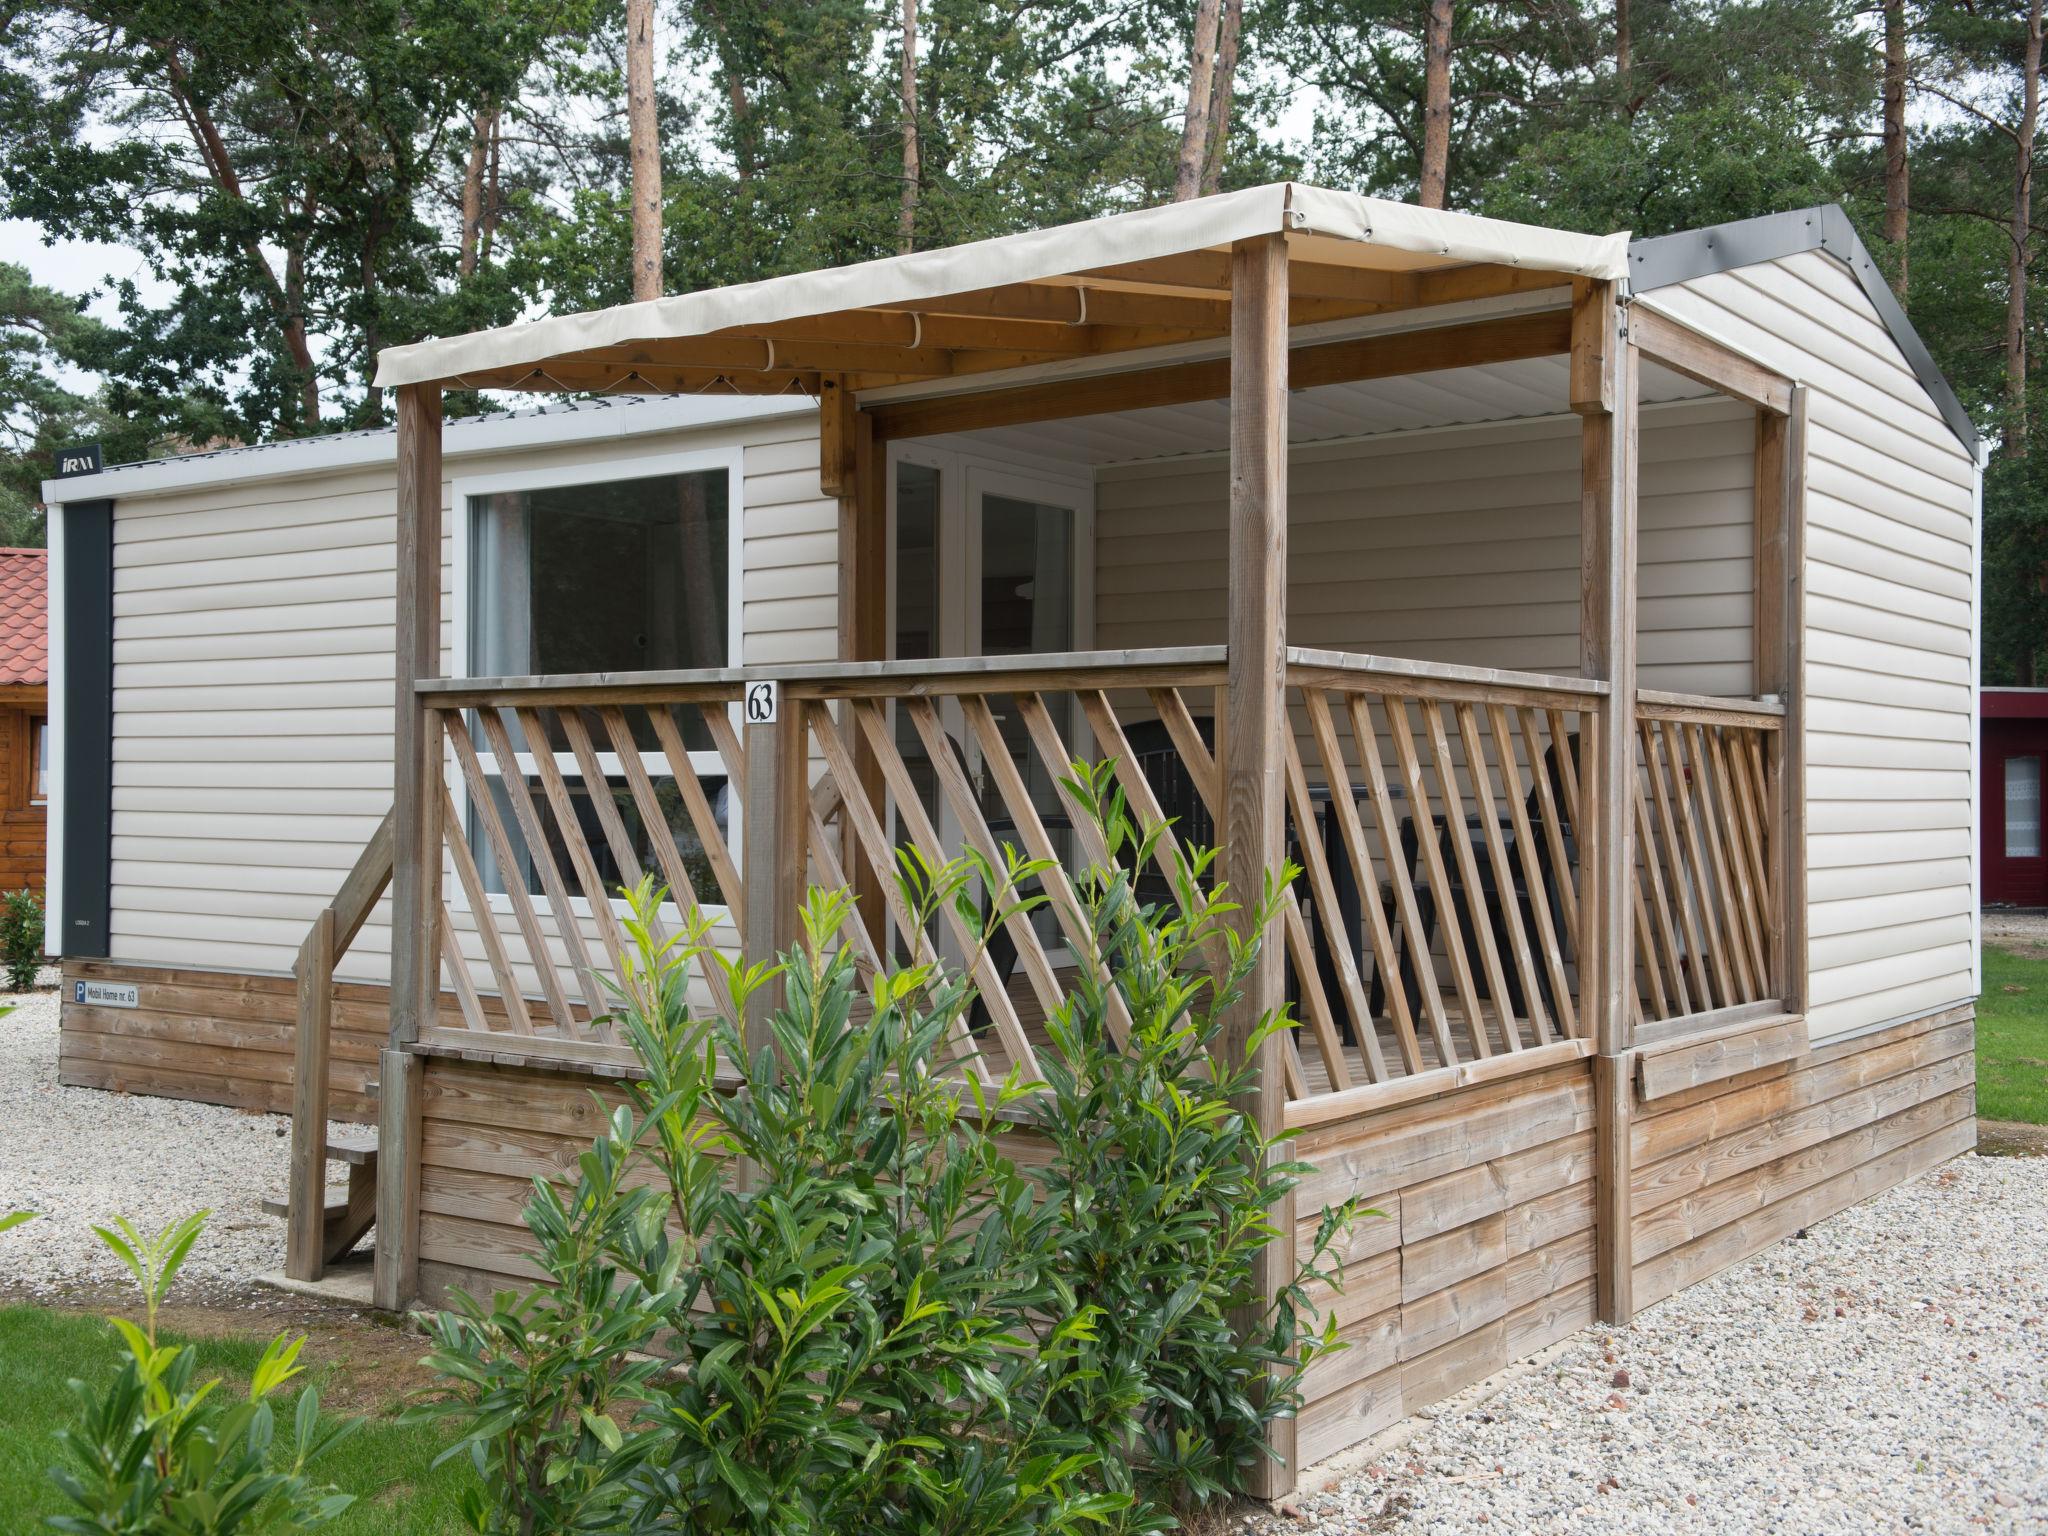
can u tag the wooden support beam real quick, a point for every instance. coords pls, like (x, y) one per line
(1679, 347)
(416, 746)
(1603, 392)
(1780, 639)
(394, 1279)
(860, 467)
(415, 842)
(776, 834)
(1503, 339)
(306, 1197)
(1254, 789)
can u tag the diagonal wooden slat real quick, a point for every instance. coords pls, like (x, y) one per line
(1663, 776)
(731, 751)
(1708, 801)
(1732, 766)
(1344, 806)
(960, 795)
(556, 791)
(567, 928)
(1554, 824)
(1065, 901)
(458, 975)
(1468, 871)
(1437, 874)
(874, 726)
(1406, 907)
(516, 894)
(1667, 955)
(1547, 941)
(1757, 745)
(471, 879)
(1109, 737)
(1741, 890)
(1208, 782)
(1705, 898)
(666, 853)
(1510, 906)
(875, 844)
(702, 818)
(1323, 890)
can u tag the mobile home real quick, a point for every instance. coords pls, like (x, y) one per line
(1594, 621)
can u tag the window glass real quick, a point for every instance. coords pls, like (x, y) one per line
(39, 758)
(624, 576)
(680, 830)
(2023, 807)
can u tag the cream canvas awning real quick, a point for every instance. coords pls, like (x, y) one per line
(1154, 277)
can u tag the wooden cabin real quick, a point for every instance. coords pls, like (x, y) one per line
(24, 717)
(2014, 742)
(1595, 622)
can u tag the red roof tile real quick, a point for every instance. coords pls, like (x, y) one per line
(24, 616)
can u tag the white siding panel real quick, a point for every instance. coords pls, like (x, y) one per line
(1890, 614)
(252, 685)
(1458, 545)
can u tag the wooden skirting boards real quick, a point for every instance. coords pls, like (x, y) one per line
(1488, 1249)
(218, 1037)
(1689, 1062)
(1486, 1252)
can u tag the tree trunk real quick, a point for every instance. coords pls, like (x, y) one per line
(646, 149)
(906, 214)
(493, 205)
(483, 129)
(735, 90)
(1194, 132)
(1624, 60)
(1219, 96)
(2022, 218)
(220, 170)
(1436, 105)
(1895, 180)
(295, 306)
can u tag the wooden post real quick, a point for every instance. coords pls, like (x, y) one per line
(1780, 669)
(1256, 713)
(776, 837)
(1603, 392)
(852, 467)
(306, 1204)
(415, 841)
(394, 1279)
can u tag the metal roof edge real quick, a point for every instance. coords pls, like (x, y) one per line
(1664, 260)
(496, 432)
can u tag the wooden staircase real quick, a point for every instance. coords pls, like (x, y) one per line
(342, 1226)
(317, 1234)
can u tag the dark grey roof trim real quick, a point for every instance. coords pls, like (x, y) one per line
(1679, 258)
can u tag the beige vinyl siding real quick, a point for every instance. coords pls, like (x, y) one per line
(1890, 615)
(253, 683)
(1458, 545)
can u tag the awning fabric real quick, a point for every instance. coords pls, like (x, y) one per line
(1336, 228)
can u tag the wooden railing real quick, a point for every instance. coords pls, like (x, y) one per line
(1708, 903)
(306, 1238)
(1435, 811)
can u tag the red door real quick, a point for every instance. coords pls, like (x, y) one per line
(2015, 869)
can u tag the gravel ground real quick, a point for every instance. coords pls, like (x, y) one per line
(2016, 925)
(78, 1156)
(1887, 1373)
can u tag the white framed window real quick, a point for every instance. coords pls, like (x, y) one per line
(2023, 807)
(575, 571)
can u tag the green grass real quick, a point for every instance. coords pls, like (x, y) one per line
(385, 1465)
(2012, 1038)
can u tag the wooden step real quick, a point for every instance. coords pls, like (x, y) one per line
(355, 1147)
